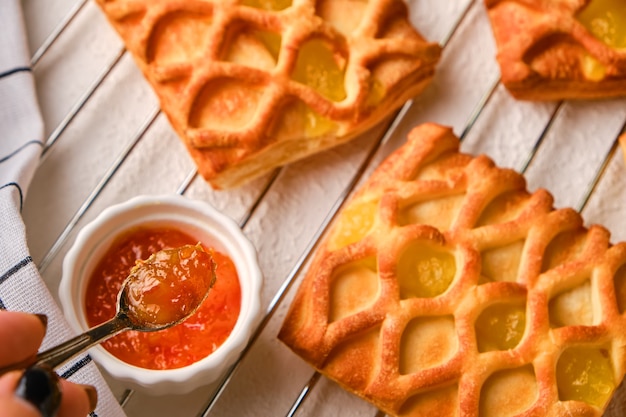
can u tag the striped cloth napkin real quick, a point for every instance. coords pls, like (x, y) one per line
(21, 143)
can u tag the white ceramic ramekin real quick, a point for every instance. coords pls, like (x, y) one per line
(197, 219)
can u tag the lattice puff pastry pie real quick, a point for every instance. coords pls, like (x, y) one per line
(250, 85)
(561, 49)
(445, 288)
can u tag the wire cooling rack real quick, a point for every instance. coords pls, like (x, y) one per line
(566, 146)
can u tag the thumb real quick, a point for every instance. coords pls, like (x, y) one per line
(11, 405)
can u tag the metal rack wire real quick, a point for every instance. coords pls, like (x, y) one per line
(358, 175)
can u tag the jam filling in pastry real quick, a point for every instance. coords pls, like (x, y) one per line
(445, 288)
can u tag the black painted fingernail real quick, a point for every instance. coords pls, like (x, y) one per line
(40, 387)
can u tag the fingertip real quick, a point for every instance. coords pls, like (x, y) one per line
(92, 396)
(21, 334)
(8, 382)
(14, 406)
(10, 404)
(41, 387)
(27, 393)
(40, 319)
(77, 399)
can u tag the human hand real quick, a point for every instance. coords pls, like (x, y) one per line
(37, 391)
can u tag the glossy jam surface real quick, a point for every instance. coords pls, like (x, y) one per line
(376, 93)
(356, 221)
(585, 374)
(424, 272)
(318, 67)
(315, 124)
(592, 68)
(606, 20)
(500, 327)
(271, 41)
(169, 285)
(180, 345)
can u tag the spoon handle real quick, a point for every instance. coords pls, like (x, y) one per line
(65, 351)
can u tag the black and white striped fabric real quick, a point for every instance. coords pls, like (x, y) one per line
(21, 143)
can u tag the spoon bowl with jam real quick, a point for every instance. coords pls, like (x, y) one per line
(159, 292)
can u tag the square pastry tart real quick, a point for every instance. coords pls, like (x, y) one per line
(251, 85)
(445, 288)
(560, 49)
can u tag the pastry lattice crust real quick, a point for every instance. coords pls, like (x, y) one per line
(445, 288)
(547, 52)
(250, 88)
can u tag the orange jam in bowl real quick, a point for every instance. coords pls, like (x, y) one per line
(203, 347)
(183, 344)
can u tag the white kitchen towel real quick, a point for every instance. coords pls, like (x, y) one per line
(21, 143)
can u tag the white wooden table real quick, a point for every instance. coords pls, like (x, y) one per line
(107, 142)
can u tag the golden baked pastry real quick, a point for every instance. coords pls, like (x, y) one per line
(250, 85)
(445, 288)
(560, 49)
